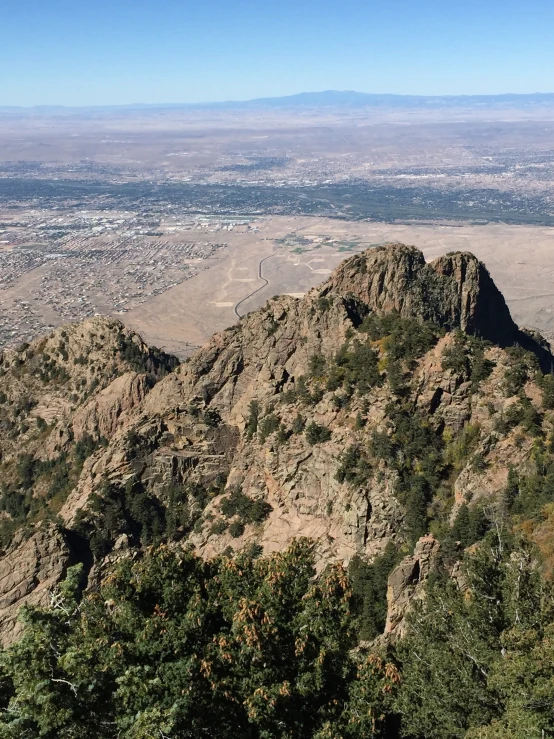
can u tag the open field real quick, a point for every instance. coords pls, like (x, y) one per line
(194, 275)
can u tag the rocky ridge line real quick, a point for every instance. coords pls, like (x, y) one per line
(192, 430)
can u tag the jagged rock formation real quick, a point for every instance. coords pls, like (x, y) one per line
(104, 413)
(407, 582)
(68, 380)
(28, 571)
(454, 291)
(294, 422)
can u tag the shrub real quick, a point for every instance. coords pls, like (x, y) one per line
(466, 357)
(268, 425)
(218, 527)
(289, 396)
(404, 339)
(317, 364)
(546, 383)
(316, 434)
(455, 357)
(340, 400)
(236, 529)
(283, 434)
(298, 424)
(41, 424)
(253, 417)
(531, 418)
(354, 468)
(513, 415)
(211, 417)
(522, 364)
(356, 368)
(414, 449)
(248, 510)
(303, 392)
(459, 449)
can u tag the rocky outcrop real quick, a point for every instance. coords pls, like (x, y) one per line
(262, 357)
(28, 571)
(80, 377)
(478, 304)
(406, 583)
(454, 291)
(190, 433)
(103, 414)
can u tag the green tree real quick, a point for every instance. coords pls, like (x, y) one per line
(316, 434)
(453, 654)
(546, 383)
(253, 417)
(369, 587)
(174, 646)
(298, 424)
(524, 682)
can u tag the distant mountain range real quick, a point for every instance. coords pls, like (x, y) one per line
(328, 99)
(353, 99)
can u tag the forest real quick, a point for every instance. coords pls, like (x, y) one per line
(261, 647)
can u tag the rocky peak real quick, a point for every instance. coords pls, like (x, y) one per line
(406, 583)
(300, 420)
(480, 306)
(454, 291)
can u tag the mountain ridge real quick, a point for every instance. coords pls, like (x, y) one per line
(324, 98)
(367, 414)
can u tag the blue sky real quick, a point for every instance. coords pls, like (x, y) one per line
(125, 51)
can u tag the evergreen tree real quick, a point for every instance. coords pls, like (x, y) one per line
(455, 673)
(175, 646)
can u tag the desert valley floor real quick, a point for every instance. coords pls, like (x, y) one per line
(299, 252)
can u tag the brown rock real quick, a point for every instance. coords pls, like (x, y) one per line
(189, 429)
(28, 572)
(109, 409)
(406, 583)
(454, 291)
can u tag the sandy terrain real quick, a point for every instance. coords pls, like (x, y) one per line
(520, 259)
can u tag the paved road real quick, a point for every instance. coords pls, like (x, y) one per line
(266, 282)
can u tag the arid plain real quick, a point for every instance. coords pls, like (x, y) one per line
(520, 259)
(177, 220)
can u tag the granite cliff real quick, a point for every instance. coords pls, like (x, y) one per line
(369, 414)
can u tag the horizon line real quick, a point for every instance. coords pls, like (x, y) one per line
(267, 99)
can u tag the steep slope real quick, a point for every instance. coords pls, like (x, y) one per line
(61, 400)
(371, 412)
(454, 291)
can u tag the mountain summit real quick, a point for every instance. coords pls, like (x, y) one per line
(454, 291)
(366, 415)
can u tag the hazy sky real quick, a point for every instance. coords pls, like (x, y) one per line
(79, 52)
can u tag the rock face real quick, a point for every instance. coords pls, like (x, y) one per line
(406, 583)
(132, 432)
(107, 410)
(81, 377)
(454, 291)
(28, 571)
(479, 304)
